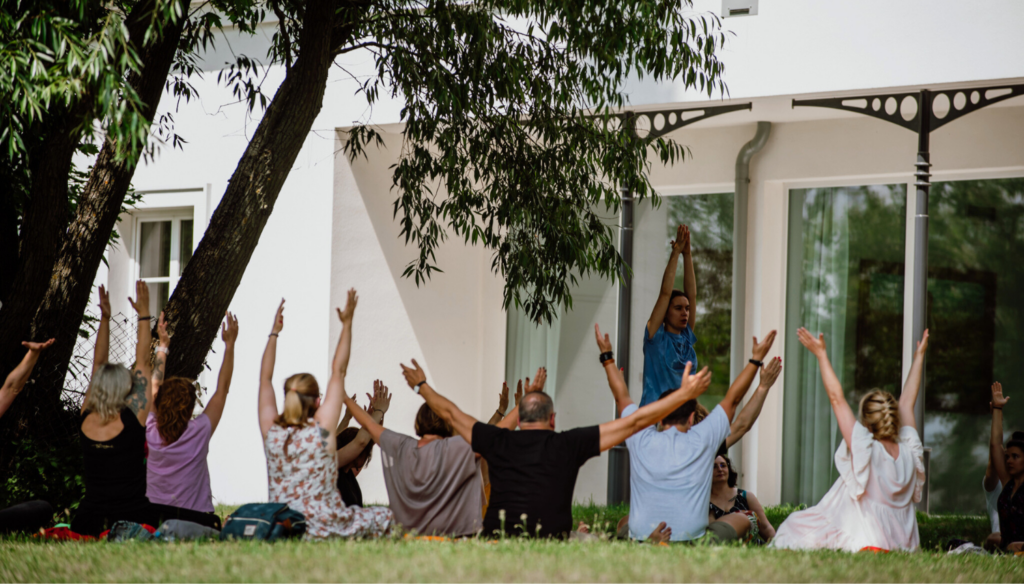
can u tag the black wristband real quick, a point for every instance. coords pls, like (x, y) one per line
(420, 384)
(997, 407)
(606, 356)
(757, 363)
(145, 318)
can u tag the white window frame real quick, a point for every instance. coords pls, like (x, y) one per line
(175, 216)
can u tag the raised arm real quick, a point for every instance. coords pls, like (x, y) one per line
(689, 277)
(371, 422)
(141, 395)
(739, 387)
(100, 356)
(996, 455)
(748, 415)
(267, 405)
(215, 407)
(19, 377)
(499, 414)
(909, 395)
(615, 380)
(512, 419)
(329, 412)
(668, 282)
(460, 421)
(616, 431)
(844, 415)
(159, 363)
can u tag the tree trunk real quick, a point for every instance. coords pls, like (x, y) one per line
(208, 284)
(70, 287)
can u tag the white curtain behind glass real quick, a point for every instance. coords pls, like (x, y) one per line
(528, 347)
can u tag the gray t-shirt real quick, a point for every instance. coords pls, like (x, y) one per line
(436, 489)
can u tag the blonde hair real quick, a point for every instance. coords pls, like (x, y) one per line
(300, 394)
(108, 390)
(880, 414)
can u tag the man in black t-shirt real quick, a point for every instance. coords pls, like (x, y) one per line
(533, 472)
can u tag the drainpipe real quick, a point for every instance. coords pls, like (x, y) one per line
(738, 355)
(618, 456)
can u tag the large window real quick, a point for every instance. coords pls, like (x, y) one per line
(163, 249)
(976, 318)
(845, 279)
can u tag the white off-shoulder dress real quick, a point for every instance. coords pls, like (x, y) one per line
(870, 505)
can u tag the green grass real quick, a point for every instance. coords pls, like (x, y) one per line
(510, 560)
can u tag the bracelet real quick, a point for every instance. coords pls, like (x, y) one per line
(416, 387)
(379, 410)
(141, 318)
(997, 407)
(757, 363)
(606, 356)
(161, 350)
(272, 335)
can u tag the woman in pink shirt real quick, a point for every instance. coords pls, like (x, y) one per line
(177, 475)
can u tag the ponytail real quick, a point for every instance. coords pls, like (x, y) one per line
(293, 410)
(301, 393)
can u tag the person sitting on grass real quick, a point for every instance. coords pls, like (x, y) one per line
(726, 498)
(993, 487)
(355, 448)
(300, 443)
(177, 474)
(881, 469)
(668, 336)
(113, 432)
(434, 483)
(1008, 464)
(533, 471)
(29, 516)
(670, 471)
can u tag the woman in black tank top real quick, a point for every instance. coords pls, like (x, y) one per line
(726, 498)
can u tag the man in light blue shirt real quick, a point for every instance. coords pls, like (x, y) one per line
(671, 469)
(669, 337)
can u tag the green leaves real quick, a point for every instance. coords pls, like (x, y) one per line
(508, 140)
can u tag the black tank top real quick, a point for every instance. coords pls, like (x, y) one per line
(740, 504)
(115, 469)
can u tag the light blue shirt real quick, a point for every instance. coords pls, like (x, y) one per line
(670, 476)
(665, 357)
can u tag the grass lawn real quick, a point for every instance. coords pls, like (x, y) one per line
(510, 560)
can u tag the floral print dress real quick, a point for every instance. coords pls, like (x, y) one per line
(305, 478)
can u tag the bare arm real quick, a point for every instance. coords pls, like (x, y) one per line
(159, 363)
(215, 407)
(616, 431)
(844, 415)
(741, 385)
(668, 281)
(140, 397)
(909, 395)
(372, 423)
(329, 412)
(460, 421)
(689, 277)
(19, 377)
(615, 380)
(748, 415)
(101, 356)
(512, 419)
(996, 456)
(499, 414)
(764, 527)
(267, 404)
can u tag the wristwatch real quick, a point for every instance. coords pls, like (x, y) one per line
(416, 387)
(606, 356)
(757, 363)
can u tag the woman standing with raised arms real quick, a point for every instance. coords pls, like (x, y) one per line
(301, 443)
(881, 469)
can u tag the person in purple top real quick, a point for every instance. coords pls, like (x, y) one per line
(668, 338)
(177, 475)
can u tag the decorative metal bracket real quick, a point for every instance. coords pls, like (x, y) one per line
(649, 126)
(905, 109)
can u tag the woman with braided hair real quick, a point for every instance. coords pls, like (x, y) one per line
(880, 464)
(177, 475)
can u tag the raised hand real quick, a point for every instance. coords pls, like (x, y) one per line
(998, 400)
(770, 372)
(141, 302)
(519, 392)
(686, 240)
(922, 345)
(278, 319)
(161, 332)
(698, 382)
(229, 328)
(350, 307)
(815, 346)
(681, 242)
(413, 375)
(604, 344)
(37, 346)
(503, 398)
(538, 381)
(381, 399)
(761, 349)
(104, 303)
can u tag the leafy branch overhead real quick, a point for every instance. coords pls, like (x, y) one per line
(507, 140)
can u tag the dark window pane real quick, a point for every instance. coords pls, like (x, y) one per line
(155, 249)
(159, 293)
(185, 248)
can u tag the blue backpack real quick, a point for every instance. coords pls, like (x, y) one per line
(264, 521)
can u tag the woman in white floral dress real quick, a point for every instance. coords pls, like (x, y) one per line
(300, 443)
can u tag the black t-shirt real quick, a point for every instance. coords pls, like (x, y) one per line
(351, 494)
(1011, 514)
(533, 472)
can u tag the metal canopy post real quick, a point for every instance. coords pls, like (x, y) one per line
(659, 123)
(897, 108)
